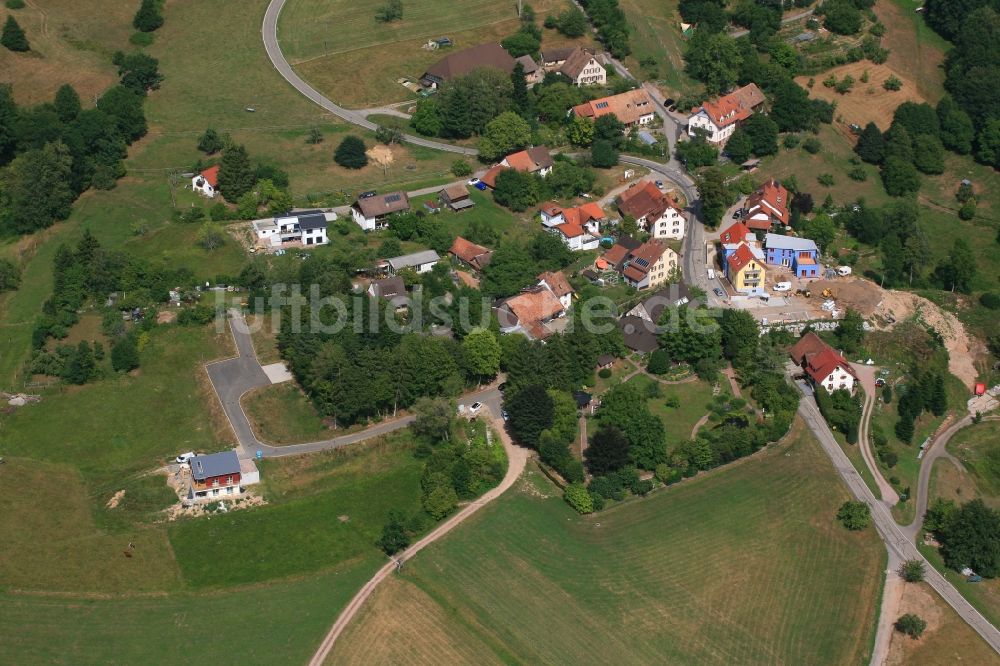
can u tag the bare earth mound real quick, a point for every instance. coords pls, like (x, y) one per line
(866, 102)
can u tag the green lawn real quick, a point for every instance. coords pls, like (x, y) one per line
(656, 33)
(263, 624)
(327, 512)
(742, 565)
(978, 447)
(282, 414)
(694, 399)
(337, 44)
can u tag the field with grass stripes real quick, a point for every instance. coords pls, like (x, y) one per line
(745, 565)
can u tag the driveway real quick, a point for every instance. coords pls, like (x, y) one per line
(233, 378)
(867, 375)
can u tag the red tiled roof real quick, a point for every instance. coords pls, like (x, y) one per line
(737, 105)
(642, 200)
(469, 252)
(822, 364)
(741, 257)
(557, 282)
(772, 199)
(735, 234)
(490, 177)
(530, 160)
(211, 175)
(633, 273)
(628, 107)
(536, 305)
(807, 346)
(569, 229)
(616, 254)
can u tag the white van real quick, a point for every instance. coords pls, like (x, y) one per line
(711, 273)
(783, 286)
(843, 271)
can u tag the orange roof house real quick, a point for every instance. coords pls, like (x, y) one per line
(529, 311)
(533, 160)
(824, 365)
(634, 107)
(767, 206)
(476, 256)
(211, 174)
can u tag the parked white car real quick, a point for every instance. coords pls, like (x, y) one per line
(783, 286)
(185, 458)
(843, 271)
(475, 407)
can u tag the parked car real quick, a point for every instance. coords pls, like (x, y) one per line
(475, 407)
(659, 184)
(783, 286)
(504, 414)
(185, 458)
(718, 292)
(367, 195)
(843, 271)
(480, 185)
(502, 387)
(738, 214)
(473, 181)
(880, 382)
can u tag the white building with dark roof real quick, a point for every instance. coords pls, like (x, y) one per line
(306, 227)
(420, 262)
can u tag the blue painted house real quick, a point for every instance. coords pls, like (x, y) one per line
(799, 254)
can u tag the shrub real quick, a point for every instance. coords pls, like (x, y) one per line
(14, 4)
(892, 83)
(388, 135)
(141, 38)
(576, 496)
(911, 625)
(659, 362)
(350, 154)
(825, 179)
(199, 315)
(854, 515)
(791, 140)
(844, 85)
(10, 276)
(461, 168)
(390, 11)
(148, 18)
(968, 210)
(13, 37)
(604, 373)
(812, 145)
(394, 538)
(988, 300)
(912, 571)
(858, 174)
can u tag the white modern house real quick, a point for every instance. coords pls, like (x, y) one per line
(304, 228)
(718, 119)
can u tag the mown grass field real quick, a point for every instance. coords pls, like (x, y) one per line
(282, 414)
(263, 624)
(947, 639)
(656, 33)
(743, 565)
(341, 50)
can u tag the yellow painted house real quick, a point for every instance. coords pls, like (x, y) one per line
(745, 270)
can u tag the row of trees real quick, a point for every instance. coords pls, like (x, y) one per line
(51, 153)
(972, 67)
(924, 392)
(612, 26)
(969, 535)
(905, 248)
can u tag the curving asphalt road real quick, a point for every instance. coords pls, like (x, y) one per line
(936, 450)
(234, 377)
(898, 543)
(866, 374)
(269, 31)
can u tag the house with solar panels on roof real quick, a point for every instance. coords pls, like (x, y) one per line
(372, 212)
(299, 229)
(219, 476)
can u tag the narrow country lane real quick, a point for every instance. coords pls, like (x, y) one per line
(269, 31)
(866, 373)
(899, 545)
(517, 458)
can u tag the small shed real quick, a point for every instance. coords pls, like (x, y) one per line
(750, 165)
(605, 361)
(456, 197)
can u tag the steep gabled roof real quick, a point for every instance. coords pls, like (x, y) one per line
(462, 62)
(822, 364)
(533, 159)
(735, 234)
(734, 107)
(642, 200)
(772, 199)
(741, 257)
(806, 347)
(211, 175)
(557, 282)
(470, 253)
(575, 63)
(383, 204)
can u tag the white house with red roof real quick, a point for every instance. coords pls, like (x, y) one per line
(556, 282)
(824, 365)
(718, 119)
(653, 210)
(578, 227)
(767, 207)
(206, 182)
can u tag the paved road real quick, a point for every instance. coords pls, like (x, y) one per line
(936, 450)
(269, 31)
(517, 457)
(866, 374)
(234, 377)
(897, 542)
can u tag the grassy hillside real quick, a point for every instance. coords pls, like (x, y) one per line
(746, 565)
